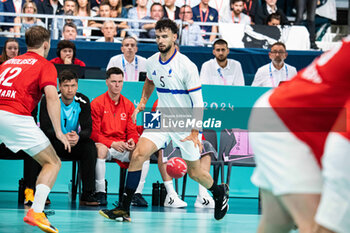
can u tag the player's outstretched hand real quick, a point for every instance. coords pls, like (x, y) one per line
(60, 136)
(194, 138)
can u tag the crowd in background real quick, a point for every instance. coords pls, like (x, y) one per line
(184, 12)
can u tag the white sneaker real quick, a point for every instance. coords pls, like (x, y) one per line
(204, 202)
(174, 201)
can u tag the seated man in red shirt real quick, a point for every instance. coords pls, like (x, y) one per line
(66, 54)
(113, 130)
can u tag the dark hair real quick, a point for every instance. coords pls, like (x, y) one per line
(234, 1)
(66, 44)
(220, 41)
(72, 25)
(279, 43)
(104, 3)
(166, 23)
(156, 4)
(35, 36)
(67, 75)
(114, 70)
(4, 56)
(275, 15)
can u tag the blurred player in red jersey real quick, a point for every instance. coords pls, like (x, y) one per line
(23, 80)
(288, 128)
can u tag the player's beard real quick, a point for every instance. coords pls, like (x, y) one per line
(221, 59)
(165, 50)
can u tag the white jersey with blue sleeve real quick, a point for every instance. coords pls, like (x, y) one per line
(174, 80)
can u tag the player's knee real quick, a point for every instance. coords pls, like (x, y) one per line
(138, 156)
(102, 151)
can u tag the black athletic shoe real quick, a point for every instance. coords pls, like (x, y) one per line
(138, 200)
(101, 198)
(221, 202)
(118, 213)
(88, 199)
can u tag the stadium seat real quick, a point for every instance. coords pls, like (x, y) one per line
(227, 142)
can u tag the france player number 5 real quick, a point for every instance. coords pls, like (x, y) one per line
(14, 72)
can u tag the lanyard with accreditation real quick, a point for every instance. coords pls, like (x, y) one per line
(124, 68)
(271, 77)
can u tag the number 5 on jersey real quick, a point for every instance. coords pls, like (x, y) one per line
(162, 81)
(13, 72)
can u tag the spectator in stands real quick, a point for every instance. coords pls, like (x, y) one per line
(250, 8)
(49, 7)
(170, 10)
(69, 31)
(270, 75)
(157, 13)
(190, 33)
(267, 8)
(221, 70)
(104, 12)
(129, 62)
(84, 10)
(66, 54)
(113, 130)
(222, 7)
(69, 8)
(236, 14)
(11, 6)
(76, 125)
(204, 13)
(27, 22)
(273, 19)
(10, 50)
(109, 30)
(118, 11)
(138, 12)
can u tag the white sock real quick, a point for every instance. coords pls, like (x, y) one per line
(144, 172)
(202, 191)
(169, 187)
(40, 196)
(100, 175)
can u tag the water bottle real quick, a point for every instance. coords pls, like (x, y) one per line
(163, 194)
(21, 191)
(70, 190)
(155, 194)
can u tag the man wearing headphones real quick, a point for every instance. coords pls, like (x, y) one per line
(66, 54)
(76, 125)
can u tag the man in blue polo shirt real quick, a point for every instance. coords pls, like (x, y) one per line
(204, 13)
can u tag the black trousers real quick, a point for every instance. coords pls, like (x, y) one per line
(85, 152)
(31, 168)
(310, 6)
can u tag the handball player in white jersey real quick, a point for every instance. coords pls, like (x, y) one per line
(176, 80)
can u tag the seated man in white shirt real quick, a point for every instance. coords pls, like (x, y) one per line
(236, 14)
(109, 30)
(270, 75)
(129, 62)
(220, 70)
